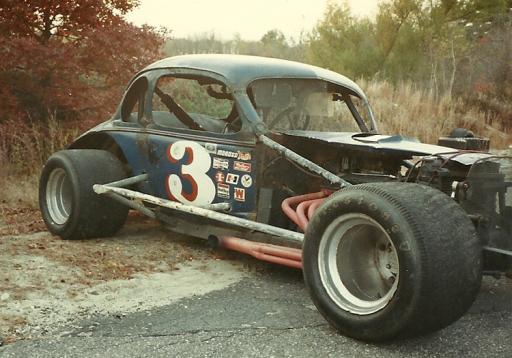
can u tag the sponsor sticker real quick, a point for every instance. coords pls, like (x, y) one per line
(223, 190)
(232, 178)
(227, 153)
(219, 177)
(239, 194)
(242, 167)
(211, 148)
(219, 163)
(244, 155)
(246, 180)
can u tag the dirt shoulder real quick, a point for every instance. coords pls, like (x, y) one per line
(46, 282)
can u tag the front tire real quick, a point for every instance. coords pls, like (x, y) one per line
(391, 260)
(69, 206)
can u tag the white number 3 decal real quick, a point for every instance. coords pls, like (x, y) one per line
(193, 172)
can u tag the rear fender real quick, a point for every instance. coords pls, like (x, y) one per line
(103, 141)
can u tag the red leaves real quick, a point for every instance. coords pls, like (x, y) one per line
(20, 220)
(43, 19)
(70, 58)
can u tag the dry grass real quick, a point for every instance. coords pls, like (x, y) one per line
(24, 147)
(19, 210)
(19, 190)
(407, 110)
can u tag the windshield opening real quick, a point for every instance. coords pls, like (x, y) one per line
(309, 104)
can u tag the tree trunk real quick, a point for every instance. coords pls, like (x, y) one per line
(454, 69)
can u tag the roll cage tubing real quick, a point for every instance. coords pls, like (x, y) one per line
(248, 112)
(260, 131)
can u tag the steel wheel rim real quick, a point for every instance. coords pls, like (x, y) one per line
(358, 264)
(59, 196)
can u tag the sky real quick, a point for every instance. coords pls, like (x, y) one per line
(249, 18)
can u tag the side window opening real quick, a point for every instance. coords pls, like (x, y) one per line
(132, 109)
(195, 102)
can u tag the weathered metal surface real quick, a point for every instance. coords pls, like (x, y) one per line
(498, 251)
(388, 144)
(186, 227)
(208, 214)
(217, 206)
(184, 174)
(205, 229)
(303, 162)
(239, 70)
(132, 204)
(129, 181)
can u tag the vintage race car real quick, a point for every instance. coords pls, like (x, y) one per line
(284, 161)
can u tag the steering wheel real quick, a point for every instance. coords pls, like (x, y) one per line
(294, 116)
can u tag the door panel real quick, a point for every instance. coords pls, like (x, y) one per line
(193, 172)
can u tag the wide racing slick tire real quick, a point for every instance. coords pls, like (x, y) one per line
(69, 206)
(391, 260)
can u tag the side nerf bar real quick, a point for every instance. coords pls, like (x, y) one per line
(287, 235)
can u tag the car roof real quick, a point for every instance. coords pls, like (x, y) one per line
(240, 70)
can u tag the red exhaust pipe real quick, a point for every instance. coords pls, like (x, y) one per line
(299, 209)
(281, 255)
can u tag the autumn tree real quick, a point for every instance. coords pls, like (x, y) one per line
(421, 40)
(344, 43)
(68, 59)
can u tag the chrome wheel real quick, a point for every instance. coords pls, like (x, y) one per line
(358, 264)
(59, 196)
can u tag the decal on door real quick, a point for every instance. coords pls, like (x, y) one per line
(246, 180)
(195, 163)
(223, 191)
(239, 194)
(220, 163)
(219, 177)
(242, 166)
(232, 178)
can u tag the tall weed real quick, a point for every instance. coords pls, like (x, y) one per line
(408, 110)
(25, 146)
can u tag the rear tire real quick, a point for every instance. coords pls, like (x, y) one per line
(69, 206)
(391, 260)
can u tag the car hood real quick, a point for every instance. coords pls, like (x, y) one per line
(393, 144)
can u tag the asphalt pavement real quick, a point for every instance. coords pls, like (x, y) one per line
(268, 314)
